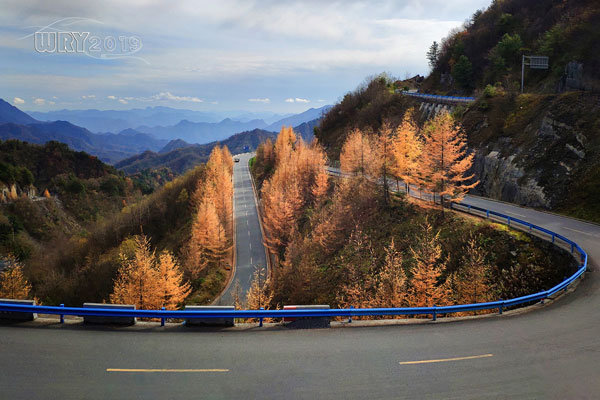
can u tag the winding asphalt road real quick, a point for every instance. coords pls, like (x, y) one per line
(550, 353)
(250, 251)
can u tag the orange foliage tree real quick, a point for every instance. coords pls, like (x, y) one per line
(391, 280)
(425, 289)
(445, 165)
(208, 243)
(259, 295)
(297, 182)
(13, 284)
(407, 150)
(173, 288)
(148, 281)
(359, 155)
(471, 280)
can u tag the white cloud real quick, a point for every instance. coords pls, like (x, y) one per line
(298, 100)
(321, 101)
(260, 100)
(39, 101)
(290, 100)
(169, 96)
(51, 103)
(111, 97)
(89, 96)
(18, 100)
(122, 101)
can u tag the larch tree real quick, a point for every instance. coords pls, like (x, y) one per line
(384, 148)
(359, 155)
(218, 186)
(13, 284)
(137, 280)
(208, 243)
(407, 151)
(446, 161)
(319, 190)
(284, 145)
(173, 288)
(391, 280)
(260, 294)
(425, 289)
(471, 281)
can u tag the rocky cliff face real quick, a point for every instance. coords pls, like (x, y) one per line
(532, 151)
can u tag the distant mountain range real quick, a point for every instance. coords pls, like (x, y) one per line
(180, 159)
(15, 124)
(118, 120)
(129, 143)
(180, 156)
(206, 132)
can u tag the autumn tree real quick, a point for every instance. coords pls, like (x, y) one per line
(13, 284)
(173, 288)
(218, 185)
(137, 280)
(446, 162)
(319, 190)
(148, 281)
(384, 150)
(391, 280)
(259, 295)
(359, 155)
(471, 280)
(208, 243)
(284, 145)
(47, 194)
(425, 289)
(407, 151)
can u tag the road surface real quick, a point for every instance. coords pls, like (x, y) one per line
(551, 353)
(250, 251)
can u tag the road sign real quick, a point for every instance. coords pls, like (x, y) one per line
(534, 62)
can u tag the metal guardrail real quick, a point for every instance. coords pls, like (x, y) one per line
(500, 305)
(436, 97)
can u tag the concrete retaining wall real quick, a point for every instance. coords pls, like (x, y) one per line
(109, 320)
(307, 322)
(209, 321)
(18, 316)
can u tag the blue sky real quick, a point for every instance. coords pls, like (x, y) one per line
(276, 55)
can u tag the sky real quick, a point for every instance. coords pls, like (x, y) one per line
(264, 55)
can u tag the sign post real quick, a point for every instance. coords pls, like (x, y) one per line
(534, 62)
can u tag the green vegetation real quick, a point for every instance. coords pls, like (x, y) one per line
(494, 40)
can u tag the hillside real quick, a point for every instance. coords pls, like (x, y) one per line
(489, 48)
(539, 149)
(81, 192)
(11, 114)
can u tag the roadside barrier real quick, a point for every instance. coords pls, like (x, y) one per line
(27, 309)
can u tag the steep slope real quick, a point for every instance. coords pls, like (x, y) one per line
(489, 48)
(11, 114)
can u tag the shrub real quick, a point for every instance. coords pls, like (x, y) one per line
(462, 72)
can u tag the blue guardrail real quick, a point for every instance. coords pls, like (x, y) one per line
(345, 312)
(435, 97)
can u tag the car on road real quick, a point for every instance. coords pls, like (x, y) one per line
(236, 159)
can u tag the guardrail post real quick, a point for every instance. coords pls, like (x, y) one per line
(434, 313)
(500, 308)
(487, 214)
(508, 220)
(553, 238)
(260, 320)
(162, 320)
(350, 316)
(62, 316)
(469, 208)
(572, 248)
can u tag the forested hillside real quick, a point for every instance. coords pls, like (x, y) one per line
(540, 148)
(352, 242)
